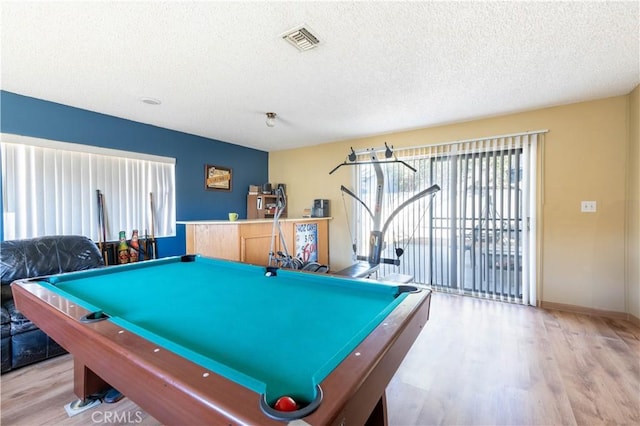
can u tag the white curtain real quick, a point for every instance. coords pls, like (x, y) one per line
(478, 234)
(50, 188)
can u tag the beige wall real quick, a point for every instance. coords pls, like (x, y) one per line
(583, 255)
(633, 206)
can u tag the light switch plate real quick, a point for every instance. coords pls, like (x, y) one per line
(588, 207)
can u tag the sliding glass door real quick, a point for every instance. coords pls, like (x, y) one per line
(475, 235)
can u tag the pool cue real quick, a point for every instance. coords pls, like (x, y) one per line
(105, 253)
(142, 248)
(147, 250)
(100, 243)
(154, 248)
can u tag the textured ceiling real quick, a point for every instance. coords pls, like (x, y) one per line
(380, 67)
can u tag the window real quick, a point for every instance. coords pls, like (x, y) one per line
(50, 188)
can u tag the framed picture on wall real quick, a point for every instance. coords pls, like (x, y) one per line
(217, 178)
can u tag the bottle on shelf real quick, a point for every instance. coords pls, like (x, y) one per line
(134, 247)
(123, 248)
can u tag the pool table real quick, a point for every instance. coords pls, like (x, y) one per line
(196, 340)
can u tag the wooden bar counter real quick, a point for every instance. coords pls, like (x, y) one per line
(249, 241)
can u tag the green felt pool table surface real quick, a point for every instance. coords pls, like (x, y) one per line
(278, 335)
(194, 340)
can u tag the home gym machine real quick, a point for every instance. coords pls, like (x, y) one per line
(282, 259)
(368, 265)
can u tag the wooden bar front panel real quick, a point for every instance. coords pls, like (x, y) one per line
(250, 241)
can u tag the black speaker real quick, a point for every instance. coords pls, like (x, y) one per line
(320, 208)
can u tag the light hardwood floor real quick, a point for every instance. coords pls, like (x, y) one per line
(477, 362)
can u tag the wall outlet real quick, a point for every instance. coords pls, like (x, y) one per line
(588, 207)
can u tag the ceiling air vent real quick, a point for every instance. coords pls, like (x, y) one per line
(301, 38)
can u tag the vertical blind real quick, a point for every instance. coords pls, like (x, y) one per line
(50, 188)
(477, 235)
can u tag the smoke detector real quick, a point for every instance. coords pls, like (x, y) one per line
(301, 37)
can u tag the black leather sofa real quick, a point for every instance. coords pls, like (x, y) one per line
(22, 342)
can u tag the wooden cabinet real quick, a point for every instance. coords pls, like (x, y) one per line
(255, 243)
(262, 206)
(249, 241)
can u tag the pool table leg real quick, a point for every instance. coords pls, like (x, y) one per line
(86, 382)
(378, 416)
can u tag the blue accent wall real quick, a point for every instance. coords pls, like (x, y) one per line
(33, 117)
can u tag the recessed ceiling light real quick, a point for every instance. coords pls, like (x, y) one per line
(151, 101)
